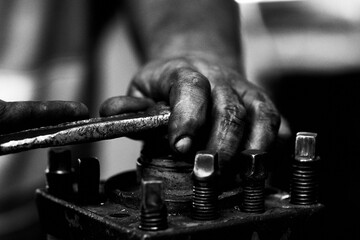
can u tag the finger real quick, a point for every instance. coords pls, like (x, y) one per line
(15, 116)
(229, 119)
(264, 120)
(124, 104)
(156, 79)
(189, 97)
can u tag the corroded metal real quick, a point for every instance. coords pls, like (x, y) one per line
(281, 220)
(124, 188)
(91, 130)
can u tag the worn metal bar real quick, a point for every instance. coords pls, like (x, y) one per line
(90, 130)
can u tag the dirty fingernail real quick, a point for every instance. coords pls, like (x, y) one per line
(183, 145)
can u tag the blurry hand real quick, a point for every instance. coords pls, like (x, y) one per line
(212, 105)
(16, 116)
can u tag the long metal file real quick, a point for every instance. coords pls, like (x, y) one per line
(90, 130)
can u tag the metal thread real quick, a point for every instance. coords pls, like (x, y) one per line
(204, 204)
(304, 183)
(253, 197)
(153, 213)
(153, 220)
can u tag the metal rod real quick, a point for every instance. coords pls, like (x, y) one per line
(90, 130)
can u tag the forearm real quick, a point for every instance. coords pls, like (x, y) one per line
(171, 28)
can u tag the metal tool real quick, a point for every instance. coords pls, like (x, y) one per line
(83, 131)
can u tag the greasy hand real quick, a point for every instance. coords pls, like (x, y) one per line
(206, 99)
(16, 116)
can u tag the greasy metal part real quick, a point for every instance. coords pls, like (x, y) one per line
(124, 189)
(281, 220)
(88, 178)
(253, 177)
(304, 180)
(59, 173)
(205, 194)
(175, 175)
(114, 218)
(153, 213)
(90, 130)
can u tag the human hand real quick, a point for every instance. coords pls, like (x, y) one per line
(16, 116)
(212, 106)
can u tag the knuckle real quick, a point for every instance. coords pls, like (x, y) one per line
(228, 106)
(268, 113)
(234, 114)
(188, 76)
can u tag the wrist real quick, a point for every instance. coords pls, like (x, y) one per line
(197, 46)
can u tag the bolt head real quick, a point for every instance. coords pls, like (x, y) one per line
(254, 165)
(305, 144)
(59, 160)
(205, 165)
(152, 195)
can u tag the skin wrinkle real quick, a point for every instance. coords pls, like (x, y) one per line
(266, 121)
(229, 122)
(168, 73)
(196, 41)
(172, 73)
(262, 112)
(227, 150)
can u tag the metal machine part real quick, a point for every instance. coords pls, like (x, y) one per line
(205, 192)
(88, 180)
(167, 197)
(127, 212)
(59, 180)
(153, 213)
(253, 174)
(281, 220)
(305, 170)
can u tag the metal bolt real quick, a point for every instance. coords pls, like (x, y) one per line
(205, 194)
(304, 179)
(253, 176)
(88, 180)
(153, 216)
(58, 174)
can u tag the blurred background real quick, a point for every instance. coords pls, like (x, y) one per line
(305, 53)
(60, 50)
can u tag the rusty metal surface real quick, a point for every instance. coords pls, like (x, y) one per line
(91, 130)
(281, 220)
